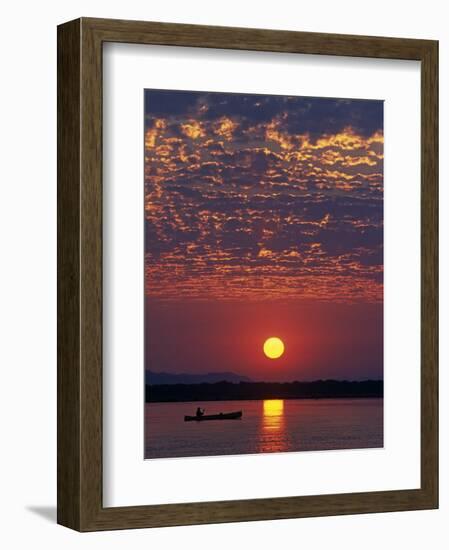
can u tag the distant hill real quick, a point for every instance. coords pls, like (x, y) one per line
(162, 378)
(222, 391)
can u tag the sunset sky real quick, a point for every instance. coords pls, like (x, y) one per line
(263, 217)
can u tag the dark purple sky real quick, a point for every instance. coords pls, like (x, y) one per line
(263, 216)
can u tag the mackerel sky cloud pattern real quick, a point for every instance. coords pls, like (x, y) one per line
(255, 197)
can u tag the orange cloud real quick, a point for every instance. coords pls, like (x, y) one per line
(193, 129)
(225, 127)
(272, 133)
(153, 133)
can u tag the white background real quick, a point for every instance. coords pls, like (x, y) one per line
(28, 275)
(129, 480)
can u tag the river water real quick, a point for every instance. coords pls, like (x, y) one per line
(267, 426)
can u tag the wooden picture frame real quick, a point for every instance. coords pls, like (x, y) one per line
(80, 503)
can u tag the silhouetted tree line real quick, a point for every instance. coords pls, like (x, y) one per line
(221, 391)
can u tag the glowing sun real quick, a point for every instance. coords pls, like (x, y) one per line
(273, 347)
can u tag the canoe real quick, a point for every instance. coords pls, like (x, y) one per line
(220, 416)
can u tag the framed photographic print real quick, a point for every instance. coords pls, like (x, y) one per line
(247, 274)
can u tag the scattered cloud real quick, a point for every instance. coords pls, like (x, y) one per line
(263, 197)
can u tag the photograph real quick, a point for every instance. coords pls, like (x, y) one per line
(263, 294)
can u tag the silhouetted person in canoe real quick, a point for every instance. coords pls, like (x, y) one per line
(199, 412)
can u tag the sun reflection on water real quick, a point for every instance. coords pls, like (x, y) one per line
(273, 436)
(273, 407)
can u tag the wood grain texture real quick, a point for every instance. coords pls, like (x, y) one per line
(80, 274)
(69, 407)
(91, 277)
(429, 271)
